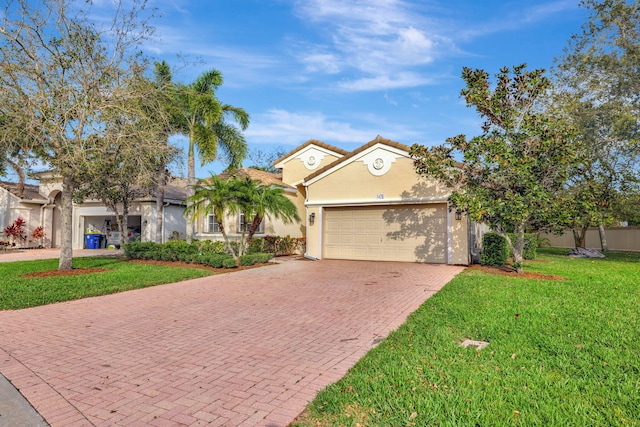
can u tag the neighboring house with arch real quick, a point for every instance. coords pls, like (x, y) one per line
(29, 205)
(40, 206)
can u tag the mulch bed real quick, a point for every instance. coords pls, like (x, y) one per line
(508, 271)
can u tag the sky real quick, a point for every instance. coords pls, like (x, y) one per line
(344, 71)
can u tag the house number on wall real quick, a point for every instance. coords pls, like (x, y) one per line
(380, 196)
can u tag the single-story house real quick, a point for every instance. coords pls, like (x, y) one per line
(40, 205)
(208, 227)
(368, 204)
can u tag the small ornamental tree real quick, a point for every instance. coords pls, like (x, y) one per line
(38, 234)
(16, 232)
(511, 176)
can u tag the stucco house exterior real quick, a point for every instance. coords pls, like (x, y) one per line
(40, 206)
(369, 204)
(30, 206)
(207, 227)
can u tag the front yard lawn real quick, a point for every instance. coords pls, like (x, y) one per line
(561, 353)
(17, 291)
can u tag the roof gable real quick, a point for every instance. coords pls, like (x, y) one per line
(265, 178)
(362, 153)
(338, 152)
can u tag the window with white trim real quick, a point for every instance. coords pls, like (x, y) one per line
(213, 226)
(246, 226)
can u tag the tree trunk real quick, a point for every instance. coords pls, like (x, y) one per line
(517, 248)
(162, 177)
(255, 224)
(66, 226)
(230, 250)
(191, 181)
(603, 238)
(21, 178)
(579, 236)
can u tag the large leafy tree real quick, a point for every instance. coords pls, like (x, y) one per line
(205, 120)
(598, 90)
(126, 167)
(511, 175)
(225, 197)
(63, 73)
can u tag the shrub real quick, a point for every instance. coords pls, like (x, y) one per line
(210, 246)
(257, 258)
(198, 252)
(281, 245)
(494, 250)
(216, 260)
(16, 231)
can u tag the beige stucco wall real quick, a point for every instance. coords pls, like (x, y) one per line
(11, 207)
(294, 169)
(355, 183)
(314, 232)
(618, 239)
(272, 226)
(459, 240)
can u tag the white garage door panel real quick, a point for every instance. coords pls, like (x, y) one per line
(413, 233)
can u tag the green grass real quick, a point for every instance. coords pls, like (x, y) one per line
(561, 353)
(18, 292)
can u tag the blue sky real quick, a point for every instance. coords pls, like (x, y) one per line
(344, 71)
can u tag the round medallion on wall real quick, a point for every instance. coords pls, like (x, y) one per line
(311, 161)
(378, 164)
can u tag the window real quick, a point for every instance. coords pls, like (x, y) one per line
(246, 226)
(213, 226)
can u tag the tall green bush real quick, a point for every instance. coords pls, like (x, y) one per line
(495, 250)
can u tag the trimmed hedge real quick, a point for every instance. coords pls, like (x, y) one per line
(281, 245)
(495, 250)
(199, 252)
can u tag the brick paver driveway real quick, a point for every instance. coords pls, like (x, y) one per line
(244, 348)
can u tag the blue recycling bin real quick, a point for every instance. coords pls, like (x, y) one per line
(92, 241)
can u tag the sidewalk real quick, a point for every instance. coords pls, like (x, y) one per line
(11, 255)
(14, 408)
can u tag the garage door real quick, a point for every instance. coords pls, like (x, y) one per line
(391, 233)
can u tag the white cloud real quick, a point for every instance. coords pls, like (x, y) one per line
(279, 126)
(377, 39)
(383, 82)
(284, 127)
(321, 62)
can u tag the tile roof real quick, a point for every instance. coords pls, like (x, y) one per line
(30, 191)
(265, 178)
(377, 140)
(311, 142)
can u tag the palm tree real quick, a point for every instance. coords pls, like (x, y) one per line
(205, 122)
(271, 201)
(228, 197)
(214, 196)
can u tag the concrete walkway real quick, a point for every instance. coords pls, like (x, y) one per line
(33, 254)
(249, 348)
